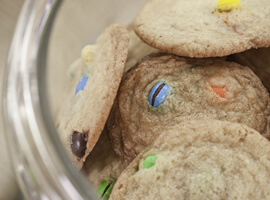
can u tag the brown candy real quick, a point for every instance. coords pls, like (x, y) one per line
(78, 143)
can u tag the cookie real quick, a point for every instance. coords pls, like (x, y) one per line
(137, 49)
(200, 160)
(204, 28)
(91, 93)
(258, 60)
(163, 90)
(103, 166)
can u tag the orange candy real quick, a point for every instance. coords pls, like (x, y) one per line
(220, 91)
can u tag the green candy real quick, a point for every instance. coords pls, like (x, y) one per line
(149, 161)
(105, 189)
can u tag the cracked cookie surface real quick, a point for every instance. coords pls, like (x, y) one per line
(199, 160)
(95, 79)
(204, 28)
(197, 89)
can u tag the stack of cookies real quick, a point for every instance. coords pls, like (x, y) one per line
(181, 119)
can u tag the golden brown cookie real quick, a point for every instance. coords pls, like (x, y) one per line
(93, 89)
(207, 28)
(198, 160)
(163, 90)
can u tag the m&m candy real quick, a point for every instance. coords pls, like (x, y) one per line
(81, 84)
(227, 5)
(149, 161)
(105, 189)
(159, 94)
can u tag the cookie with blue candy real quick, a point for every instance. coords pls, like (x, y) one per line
(200, 159)
(164, 89)
(95, 80)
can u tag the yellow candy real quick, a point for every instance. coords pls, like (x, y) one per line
(87, 53)
(227, 5)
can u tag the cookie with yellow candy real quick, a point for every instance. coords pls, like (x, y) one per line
(208, 28)
(95, 79)
(164, 89)
(198, 160)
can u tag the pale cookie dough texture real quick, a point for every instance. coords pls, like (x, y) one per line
(86, 112)
(197, 160)
(200, 89)
(208, 28)
(103, 164)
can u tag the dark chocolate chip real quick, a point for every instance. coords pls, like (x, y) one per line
(78, 143)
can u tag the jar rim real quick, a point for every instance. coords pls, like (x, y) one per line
(42, 166)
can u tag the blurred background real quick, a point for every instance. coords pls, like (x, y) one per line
(9, 11)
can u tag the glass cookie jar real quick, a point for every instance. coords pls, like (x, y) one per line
(49, 37)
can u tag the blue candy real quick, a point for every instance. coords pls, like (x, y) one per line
(159, 94)
(81, 84)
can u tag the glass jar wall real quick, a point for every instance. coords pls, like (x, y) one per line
(48, 38)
